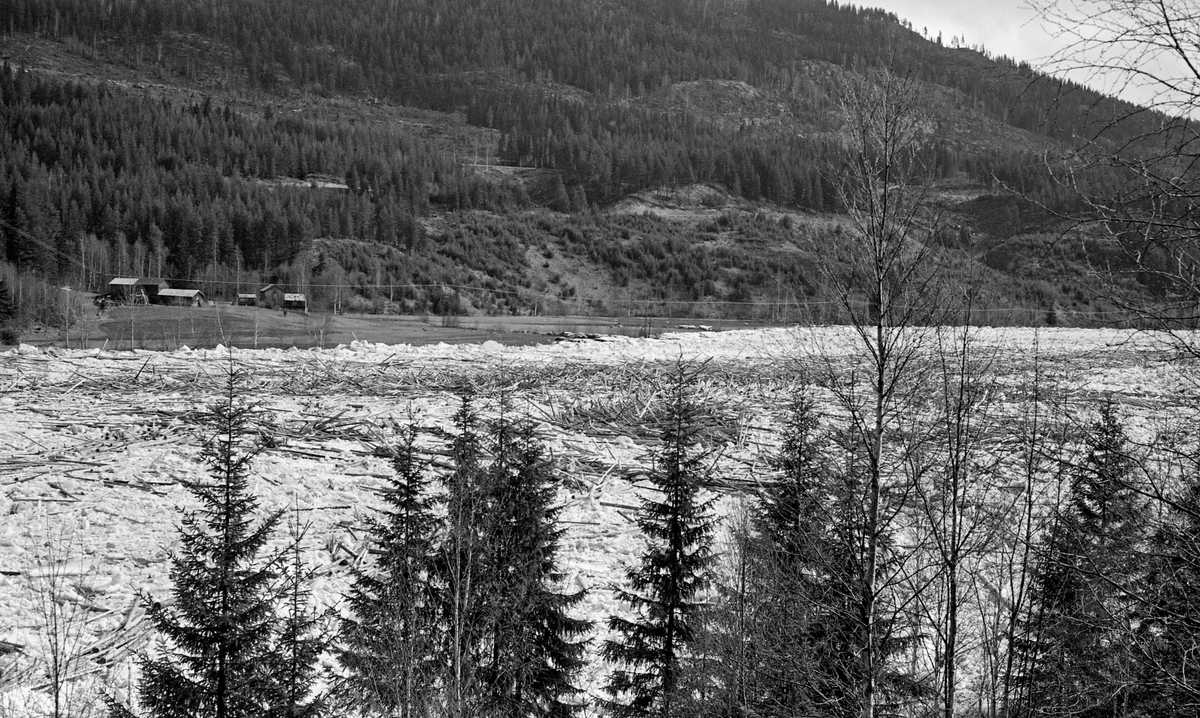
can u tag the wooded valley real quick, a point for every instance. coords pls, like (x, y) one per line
(432, 151)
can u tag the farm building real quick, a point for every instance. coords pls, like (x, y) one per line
(180, 297)
(138, 290)
(271, 296)
(247, 300)
(295, 301)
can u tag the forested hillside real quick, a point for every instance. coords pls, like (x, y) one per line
(213, 143)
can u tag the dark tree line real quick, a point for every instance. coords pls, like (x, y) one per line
(607, 145)
(1112, 624)
(197, 185)
(101, 179)
(614, 50)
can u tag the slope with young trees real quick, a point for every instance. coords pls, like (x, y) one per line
(582, 105)
(1139, 188)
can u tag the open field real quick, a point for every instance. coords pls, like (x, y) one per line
(169, 328)
(100, 442)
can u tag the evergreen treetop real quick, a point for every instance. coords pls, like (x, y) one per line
(664, 590)
(301, 639)
(389, 644)
(537, 646)
(1104, 502)
(795, 508)
(216, 657)
(1074, 648)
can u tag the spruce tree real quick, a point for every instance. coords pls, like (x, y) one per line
(663, 589)
(460, 567)
(1046, 644)
(300, 641)
(806, 579)
(389, 643)
(1074, 644)
(216, 658)
(1169, 632)
(760, 633)
(794, 618)
(536, 645)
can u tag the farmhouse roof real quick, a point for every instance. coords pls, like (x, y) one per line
(135, 281)
(246, 296)
(269, 286)
(180, 293)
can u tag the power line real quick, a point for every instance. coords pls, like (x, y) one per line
(50, 247)
(629, 303)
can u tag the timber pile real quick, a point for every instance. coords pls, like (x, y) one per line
(132, 423)
(641, 414)
(620, 402)
(397, 375)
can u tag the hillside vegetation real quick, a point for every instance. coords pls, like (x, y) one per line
(494, 156)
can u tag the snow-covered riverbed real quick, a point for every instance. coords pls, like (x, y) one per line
(99, 443)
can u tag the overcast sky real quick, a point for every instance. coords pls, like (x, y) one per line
(1003, 27)
(1012, 28)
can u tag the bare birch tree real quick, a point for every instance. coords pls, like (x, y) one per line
(1138, 176)
(886, 279)
(1148, 49)
(59, 584)
(1020, 506)
(1136, 169)
(954, 518)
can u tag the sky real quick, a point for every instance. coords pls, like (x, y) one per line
(1003, 27)
(1012, 28)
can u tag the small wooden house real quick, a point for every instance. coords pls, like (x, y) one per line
(246, 300)
(271, 296)
(295, 301)
(180, 297)
(137, 290)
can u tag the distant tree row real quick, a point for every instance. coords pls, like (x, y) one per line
(431, 54)
(615, 50)
(97, 181)
(198, 185)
